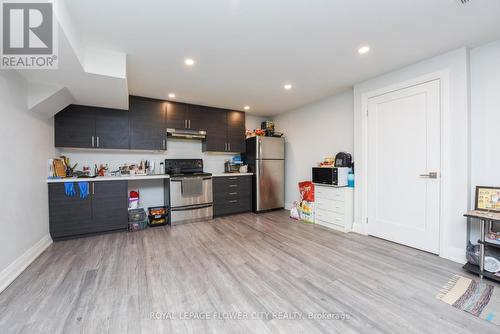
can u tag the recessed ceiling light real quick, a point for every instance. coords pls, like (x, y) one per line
(287, 86)
(364, 49)
(189, 62)
(246, 108)
(171, 95)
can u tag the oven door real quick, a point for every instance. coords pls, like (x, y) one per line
(177, 199)
(191, 214)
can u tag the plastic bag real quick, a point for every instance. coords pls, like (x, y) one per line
(307, 212)
(294, 212)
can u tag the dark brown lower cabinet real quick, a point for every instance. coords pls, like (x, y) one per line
(232, 194)
(104, 210)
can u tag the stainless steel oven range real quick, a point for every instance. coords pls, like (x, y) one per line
(190, 191)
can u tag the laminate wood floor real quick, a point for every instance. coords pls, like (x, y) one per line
(266, 270)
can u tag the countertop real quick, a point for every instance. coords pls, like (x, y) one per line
(230, 174)
(132, 178)
(110, 178)
(331, 185)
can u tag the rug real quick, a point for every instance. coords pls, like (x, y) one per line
(479, 299)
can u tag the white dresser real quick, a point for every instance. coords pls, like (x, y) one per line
(334, 207)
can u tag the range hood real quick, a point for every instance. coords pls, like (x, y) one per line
(185, 133)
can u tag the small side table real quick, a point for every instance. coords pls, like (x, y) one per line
(485, 219)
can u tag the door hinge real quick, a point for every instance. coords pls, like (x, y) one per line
(367, 220)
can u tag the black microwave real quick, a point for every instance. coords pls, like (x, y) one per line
(336, 176)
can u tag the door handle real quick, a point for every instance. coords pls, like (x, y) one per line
(431, 175)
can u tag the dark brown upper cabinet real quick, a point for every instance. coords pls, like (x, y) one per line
(225, 131)
(91, 127)
(236, 131)
(177, 115)
(148, 128)
(215, 125)
(74, 126)
(188, 116)
(200, 117)
(112, 128)
(144, 126)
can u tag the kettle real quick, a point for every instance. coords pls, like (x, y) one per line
(343, 159)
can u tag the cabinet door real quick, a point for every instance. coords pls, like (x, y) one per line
(232, 194)
(109, 205)
(200, 117)
(216, 140)
(176, 115)
(236, 131)
(74, 126)
(147, 124)
(112, 128)
(68, 216)
(213, 121)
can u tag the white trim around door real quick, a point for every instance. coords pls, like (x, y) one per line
(444, 80)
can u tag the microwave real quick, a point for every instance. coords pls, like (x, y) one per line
(335, 176)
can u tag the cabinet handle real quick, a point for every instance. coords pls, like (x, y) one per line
(164, 144)
(233, 185)
(189, 123)
(233, 201)
(233, 178)
(185, 123)
(229, 147)
(93, 188)
(233, 193)
(97, 141)
(92, 141)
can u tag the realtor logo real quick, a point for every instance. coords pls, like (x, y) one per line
(28, 35)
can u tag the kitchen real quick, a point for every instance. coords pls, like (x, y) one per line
(303, 166)
(203, 154)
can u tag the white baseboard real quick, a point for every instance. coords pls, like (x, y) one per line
(454, 254)
(359, 228)
(9, 274)
(288, 206)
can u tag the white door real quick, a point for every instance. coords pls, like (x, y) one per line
(403, 155)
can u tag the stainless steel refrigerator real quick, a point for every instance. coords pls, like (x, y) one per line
(266, 159)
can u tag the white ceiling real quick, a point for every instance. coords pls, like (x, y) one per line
(245, 50)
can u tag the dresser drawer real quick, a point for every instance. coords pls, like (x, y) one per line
(232, 194)
(330, 217)
(330, 205)
(331, 193)
(231, 206)
(232, 184)
(238, 193)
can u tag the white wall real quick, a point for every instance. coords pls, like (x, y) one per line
(253, 122)
(455, 136)
(485, 115)
(26, 143)
(313, 133)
